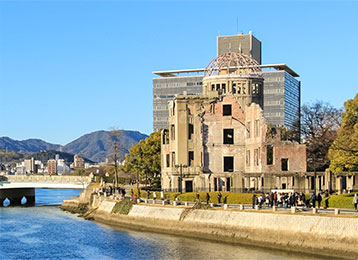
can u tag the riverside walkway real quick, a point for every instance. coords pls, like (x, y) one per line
(300, 209)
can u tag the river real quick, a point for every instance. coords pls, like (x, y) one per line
(46, 232)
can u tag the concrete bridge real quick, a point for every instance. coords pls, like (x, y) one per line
(16, 187)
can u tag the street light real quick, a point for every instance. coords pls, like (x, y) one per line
(181, 166)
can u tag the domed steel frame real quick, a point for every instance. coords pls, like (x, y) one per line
(234, 63)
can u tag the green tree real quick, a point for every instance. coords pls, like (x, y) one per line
(344, 151)
(144, 158)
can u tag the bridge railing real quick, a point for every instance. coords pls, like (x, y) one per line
(48, 178)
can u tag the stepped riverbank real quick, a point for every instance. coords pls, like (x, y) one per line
(323, 235)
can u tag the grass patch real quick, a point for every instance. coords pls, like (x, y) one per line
(124, 206)
(231, 197)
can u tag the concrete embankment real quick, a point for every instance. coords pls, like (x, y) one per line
(330, 236)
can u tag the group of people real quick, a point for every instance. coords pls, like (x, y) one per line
(286, 200)
(110, 190)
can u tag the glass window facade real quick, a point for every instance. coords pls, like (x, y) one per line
(281, 96)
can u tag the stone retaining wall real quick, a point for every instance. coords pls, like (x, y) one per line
(331, 236)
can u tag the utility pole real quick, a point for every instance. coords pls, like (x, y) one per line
(114, 133)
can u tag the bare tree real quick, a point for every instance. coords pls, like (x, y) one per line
(319, 124)
(115, 134)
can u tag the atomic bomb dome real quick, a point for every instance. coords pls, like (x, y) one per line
(233, 63)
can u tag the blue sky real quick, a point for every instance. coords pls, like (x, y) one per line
(68, 68)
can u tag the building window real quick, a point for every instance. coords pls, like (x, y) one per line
(217, 87)
(256, 157)
(190, 131)
(212, 87)
(165, 137)
(226, 110)
(172, 132)
(293, 181)
(228, 164)
(249, 129)
(234, 88)
(248, 158)
(257, 128)
(173, 159)
(168, 160)
(269, 154)
(284, 164)
(254, 89)
(228, 136)
(190, 158)
(262, 181)
(223, 87)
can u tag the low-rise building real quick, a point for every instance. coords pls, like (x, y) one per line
(78, 162)
(219, 141)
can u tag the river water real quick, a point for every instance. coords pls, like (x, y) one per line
(46, 232)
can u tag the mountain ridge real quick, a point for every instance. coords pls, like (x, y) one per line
(94, 146)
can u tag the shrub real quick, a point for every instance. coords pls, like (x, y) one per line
(124, 206)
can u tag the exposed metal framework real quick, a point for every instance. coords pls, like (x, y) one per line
(233, 63)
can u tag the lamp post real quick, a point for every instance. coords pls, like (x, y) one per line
(181, 166)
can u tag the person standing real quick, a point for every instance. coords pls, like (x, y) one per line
(313, 199)
(154, 195)
(355, 201)
(207, 198)
(197, 197)
(254, 201)
(319, 199)
(162, 195)
(219, 197)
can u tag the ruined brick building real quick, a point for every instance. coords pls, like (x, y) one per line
(219, 140)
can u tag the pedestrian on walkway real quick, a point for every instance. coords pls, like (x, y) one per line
(207, 198)
(219, 197)
(355, 201)
(197, 197)
(254, 201)
(319, 199)
(154, 195)
(313, 199)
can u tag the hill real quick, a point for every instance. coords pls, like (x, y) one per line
(26, 146)
(14, 157)
(95, 146)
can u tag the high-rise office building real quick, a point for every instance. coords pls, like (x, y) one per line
(281, 87)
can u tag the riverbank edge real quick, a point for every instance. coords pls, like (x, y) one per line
(195, 224)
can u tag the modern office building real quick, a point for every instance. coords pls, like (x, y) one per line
(281, 88)
(241, 43)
